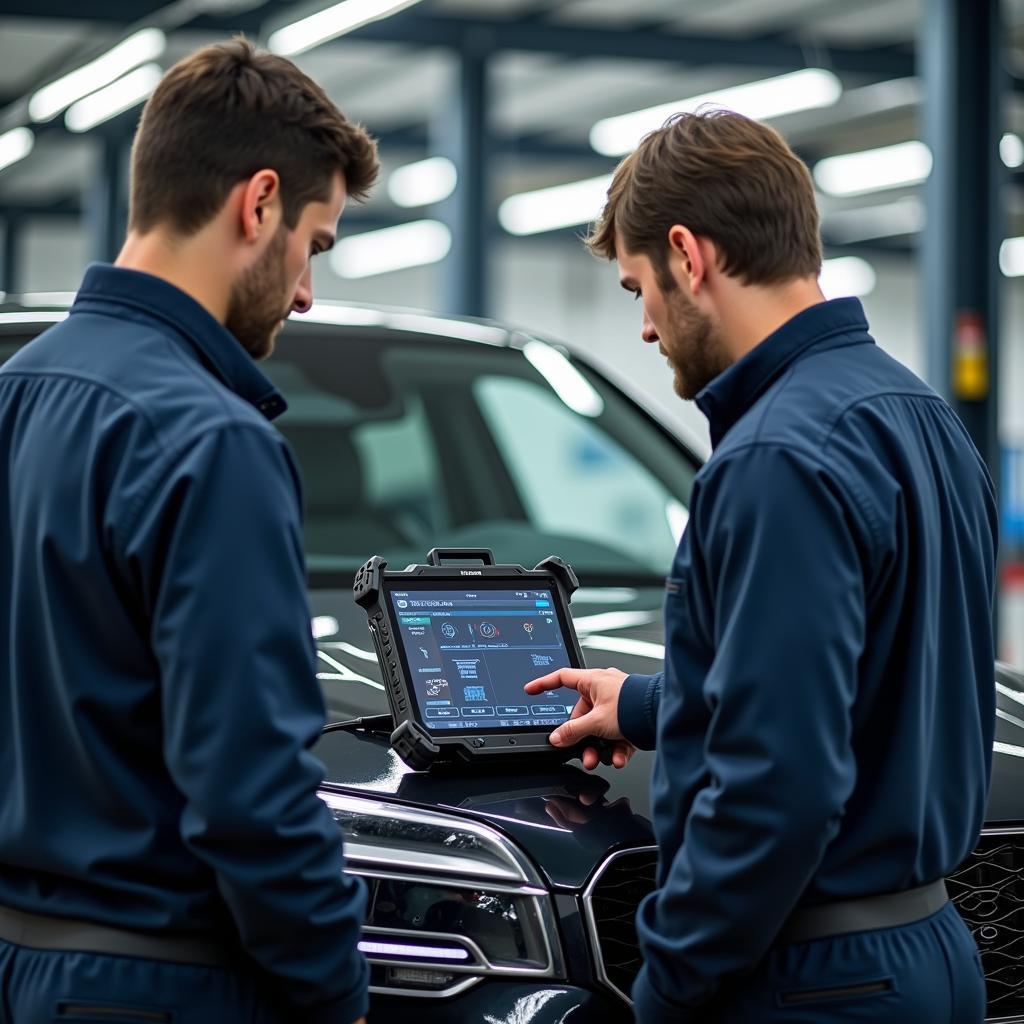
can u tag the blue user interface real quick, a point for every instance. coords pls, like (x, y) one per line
(469, 652)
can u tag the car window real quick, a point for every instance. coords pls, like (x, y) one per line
(576, 479)
(407, 444)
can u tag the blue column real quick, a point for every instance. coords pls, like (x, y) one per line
(463, 136)
(9, 265)
(105, 199)
(961, 63)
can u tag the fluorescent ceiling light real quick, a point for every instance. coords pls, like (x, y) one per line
(1011, 257)
(15, 145)
(115, 99)
(330, 23)
(424, 182)
(379, 252)
(137, 49)
(847, 275)
(768, 98)
(561, 206)
(566, 381)
(907, 163)
(905, 216)
(1011, 149)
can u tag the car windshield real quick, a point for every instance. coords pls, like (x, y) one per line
(406, 444)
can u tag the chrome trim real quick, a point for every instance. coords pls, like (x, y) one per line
(424, 861)
(588, 915)
(453, 882)
(1016, 1019)
(423, 993)
(520, 869)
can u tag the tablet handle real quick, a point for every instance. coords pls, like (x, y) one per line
(437, 555)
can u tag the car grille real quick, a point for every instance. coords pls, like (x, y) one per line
(988, 891)
(611, 902)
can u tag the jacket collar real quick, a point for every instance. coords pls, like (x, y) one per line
(117, 290)
(735, 390)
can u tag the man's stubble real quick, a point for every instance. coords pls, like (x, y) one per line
(257, 305)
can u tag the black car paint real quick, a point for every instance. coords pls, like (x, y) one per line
(568, 821)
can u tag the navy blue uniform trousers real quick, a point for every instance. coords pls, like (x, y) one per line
(41, 986)
(922, 973)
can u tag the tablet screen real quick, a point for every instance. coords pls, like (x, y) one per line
(468, 652)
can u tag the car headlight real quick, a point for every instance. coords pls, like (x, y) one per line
(450, 900)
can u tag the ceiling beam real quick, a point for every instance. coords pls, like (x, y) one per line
(489, 36)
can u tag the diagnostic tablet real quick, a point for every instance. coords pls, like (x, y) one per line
(457, 642)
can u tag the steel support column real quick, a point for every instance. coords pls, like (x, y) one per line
(9, 266)
(964, 75)
(105, 199)
(463, 136)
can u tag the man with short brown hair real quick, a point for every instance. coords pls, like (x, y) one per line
(825, 718)
(163, 851)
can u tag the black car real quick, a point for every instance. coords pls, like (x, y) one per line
(509, 897)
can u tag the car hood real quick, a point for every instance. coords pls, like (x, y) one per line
(567, 819)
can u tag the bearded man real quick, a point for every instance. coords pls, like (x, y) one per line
(163, 852)
(825, 718)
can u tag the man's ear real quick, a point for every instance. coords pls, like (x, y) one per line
(687, 257)
(261, 206)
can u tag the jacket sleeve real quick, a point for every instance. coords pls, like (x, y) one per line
(777, 559)
(638, 709)
(219, 555)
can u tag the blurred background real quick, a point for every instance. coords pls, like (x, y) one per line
(500, 122)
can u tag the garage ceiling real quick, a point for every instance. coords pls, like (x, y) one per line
(400, 76)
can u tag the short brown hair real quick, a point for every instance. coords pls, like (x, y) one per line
(223, 113)
(725, 177)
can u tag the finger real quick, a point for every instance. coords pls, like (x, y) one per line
(577, 728)
(621, 753)
(591, 759)
(570, 677)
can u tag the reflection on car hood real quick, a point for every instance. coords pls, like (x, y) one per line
(566, 818)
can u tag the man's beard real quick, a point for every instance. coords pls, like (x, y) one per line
(691, 344)
(256, 308)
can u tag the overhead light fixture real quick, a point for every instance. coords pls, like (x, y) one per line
(144, 46)
(379, 252)
(846, 275)
(115, 99)
(1011, 149)
(566, 381)
(15, 145)
(763, 100)
(873, 170)
(1011, 257)
(904, 216)
(424, 182)
(561, 206)
(330, 23)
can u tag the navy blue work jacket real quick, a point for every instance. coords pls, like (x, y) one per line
(825, 718)
(158, 693)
